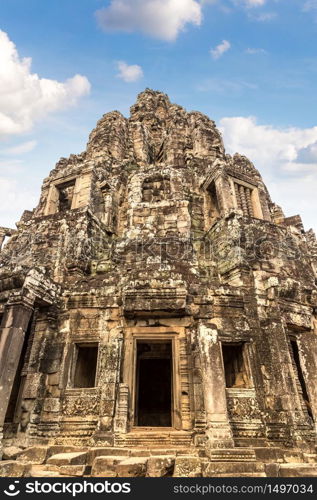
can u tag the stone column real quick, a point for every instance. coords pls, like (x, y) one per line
(224, 193)
(14, 326)
(283, 405)
(307, 346)
(218, 430)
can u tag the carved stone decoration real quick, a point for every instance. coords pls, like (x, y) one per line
(158, 299)
(121, 419)
(80, 405)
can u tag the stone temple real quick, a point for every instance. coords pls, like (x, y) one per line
(158, 312)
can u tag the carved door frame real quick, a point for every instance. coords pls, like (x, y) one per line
(151, 334)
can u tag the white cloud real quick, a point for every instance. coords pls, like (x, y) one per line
(163, 19)
(218, 51)
(20, 149)
(286, 157)
(130, 73)
(14, 199)
(25, 97)
(264, 142)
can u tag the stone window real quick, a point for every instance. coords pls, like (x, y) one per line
(300, 380)
(212, 205)
(65, 195)
(235, 365)
(156, 188)
(85, 365)
(244, 198)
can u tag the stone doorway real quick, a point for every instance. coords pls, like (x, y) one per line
(154, 383)
(14, 411)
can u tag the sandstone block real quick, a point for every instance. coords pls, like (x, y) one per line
(102, 465)
(187, 467)
(298, 470)
(107, 452)
(11, 452)
(75, 458)
(132, 467)
(215, 468)
(12, 469)
(160, 466)
(72, 470)
(42, 471)
(33, 455)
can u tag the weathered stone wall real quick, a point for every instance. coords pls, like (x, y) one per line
(164, 237)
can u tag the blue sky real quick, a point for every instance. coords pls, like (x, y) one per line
(251, 65)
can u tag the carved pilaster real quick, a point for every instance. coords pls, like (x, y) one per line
(121, 419)
(14, 326)
(218, 428)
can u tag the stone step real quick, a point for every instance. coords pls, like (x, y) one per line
(213, 468)
(232, 455)
(188, 466)
(33, 455)
(13, 468)
(293, 456)
(269, 454)
(74, 458)
(310, 458)
(106, 452)
(132, 467)
(154, 439)
(242, 474)
(138, 466)
(57, 449)
(147, 452)
(160, 466)
(101, 465)
(298, 470)
(106, 473)
(42, 471)
(74, 470)
(11, 452)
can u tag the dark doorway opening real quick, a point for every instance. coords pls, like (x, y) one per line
(154, 384)
(65, 195)
(301, 381)
(14, 406)
(235, 366)
(86, 356)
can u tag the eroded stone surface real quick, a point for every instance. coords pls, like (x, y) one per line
(10, 468)
(160, 466)
(154, 244)
(11, 452)
(132, 467)
(102, 465)
(33, 455)
(188, 467)
(68, 459)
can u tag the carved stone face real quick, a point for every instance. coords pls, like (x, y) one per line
(24, 419)
(156, 189)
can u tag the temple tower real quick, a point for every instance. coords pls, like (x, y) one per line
(156, 296)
